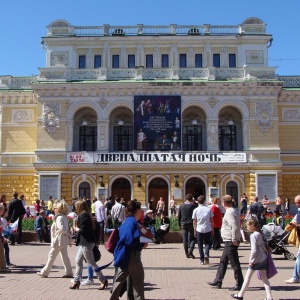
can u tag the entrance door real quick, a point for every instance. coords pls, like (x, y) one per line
(195, 186)
(232, 189)
(84, 189)
(157, 188)
(121, 187)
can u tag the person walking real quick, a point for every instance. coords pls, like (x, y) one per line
(296, 224)
(16, 211)
(185, 222)
(127, 256)
(203, 223)
(257, 260)
(243, 202)
(231, 235)
(100, 216)
(86, 241)
(60, 239)
(216, 209)
(258, 210)
(118, 213)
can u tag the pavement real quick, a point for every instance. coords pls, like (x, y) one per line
(168, 275)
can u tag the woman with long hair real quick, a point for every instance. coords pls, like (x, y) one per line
(257, 259)
(60, 239)
(86, 241)
(127, 255)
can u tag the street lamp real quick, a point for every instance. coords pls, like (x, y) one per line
(176, 179)
(214, 183)
(101, 181)
(138, 179)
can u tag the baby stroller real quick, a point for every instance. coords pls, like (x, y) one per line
(276, 237)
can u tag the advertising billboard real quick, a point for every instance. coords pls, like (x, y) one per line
(157, 123)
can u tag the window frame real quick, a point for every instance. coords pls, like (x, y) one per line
(165, 61)
(97, 61)
(115, 61)
(182, 60)
(231, 137)
(201, 60)
(82, 61)
(123, 141)
(131, 61)
(231, 61)
(216, 60)
(148, 56)
(86, 137)
(192, 138)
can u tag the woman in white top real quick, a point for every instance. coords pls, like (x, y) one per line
(60, 239)
(257, 259)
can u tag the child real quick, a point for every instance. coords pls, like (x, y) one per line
(5, 234)
(257, 259)
(28, 214)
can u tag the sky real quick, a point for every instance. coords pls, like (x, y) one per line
(24, 23)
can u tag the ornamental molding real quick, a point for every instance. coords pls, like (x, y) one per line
(51, 116)
(291, 114)
(22, 115)
(263, 114)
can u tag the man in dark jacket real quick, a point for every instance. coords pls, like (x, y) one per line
(185, 221)
(16, 210)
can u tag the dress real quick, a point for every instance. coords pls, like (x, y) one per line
(127, 257)
(60, 239)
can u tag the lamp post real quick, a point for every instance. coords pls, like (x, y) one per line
(138, 179)
(176, 179)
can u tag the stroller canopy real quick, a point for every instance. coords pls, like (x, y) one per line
(270, 230)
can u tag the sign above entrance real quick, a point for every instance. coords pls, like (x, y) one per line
(117, 157)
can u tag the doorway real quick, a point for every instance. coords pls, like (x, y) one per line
(157, 188)
(232, 189)
(195, 186)
(84, 189)
(121, 187)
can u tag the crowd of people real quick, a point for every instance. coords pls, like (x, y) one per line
(201, 224)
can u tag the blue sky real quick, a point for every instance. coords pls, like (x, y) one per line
(23, 23)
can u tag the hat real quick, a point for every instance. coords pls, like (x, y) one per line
(149, 211)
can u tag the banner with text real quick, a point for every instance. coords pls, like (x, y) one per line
(117, 157)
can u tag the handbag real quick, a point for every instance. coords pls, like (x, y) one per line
(112, 241)
(271, 269)
(164, 227)
(96, 253)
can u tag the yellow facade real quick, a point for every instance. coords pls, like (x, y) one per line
(41, 120)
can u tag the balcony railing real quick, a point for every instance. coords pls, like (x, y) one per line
(103, 74)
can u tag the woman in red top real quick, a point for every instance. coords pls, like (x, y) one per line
(37, 207)
(216, 209)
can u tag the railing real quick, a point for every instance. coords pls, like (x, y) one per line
(140, 29)
(102, 74)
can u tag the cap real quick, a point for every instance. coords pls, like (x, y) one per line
(149, 211)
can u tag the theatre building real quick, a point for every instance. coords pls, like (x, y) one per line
(142, 111)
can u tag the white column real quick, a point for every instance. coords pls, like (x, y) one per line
(246, 134)
(103, 135)
(69, 134)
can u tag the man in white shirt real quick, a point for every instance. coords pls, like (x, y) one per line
(100, 216)
(118, 213)
(203, 228)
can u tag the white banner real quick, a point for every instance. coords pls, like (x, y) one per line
(129, 157)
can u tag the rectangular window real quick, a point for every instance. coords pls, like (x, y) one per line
(115, 61)
(131, 61)
(182, 60)
(227, 138)
(232, 61)
(192, 138)
(97, 61)
(198, 60)
(123, 138)
(216, 60)
(81, 63)
(165, 61)
(88, 138)
(149, 61)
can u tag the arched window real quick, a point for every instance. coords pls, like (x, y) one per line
(84, 189)
(232, 189)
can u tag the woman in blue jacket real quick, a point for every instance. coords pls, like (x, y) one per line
(127, 254)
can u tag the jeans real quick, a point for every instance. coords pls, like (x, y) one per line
(101, 231)
(6, 250)
(188, 238)
(296, 273)
(86, 251)
(203, 238)
(230, 253)
(90, 272)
